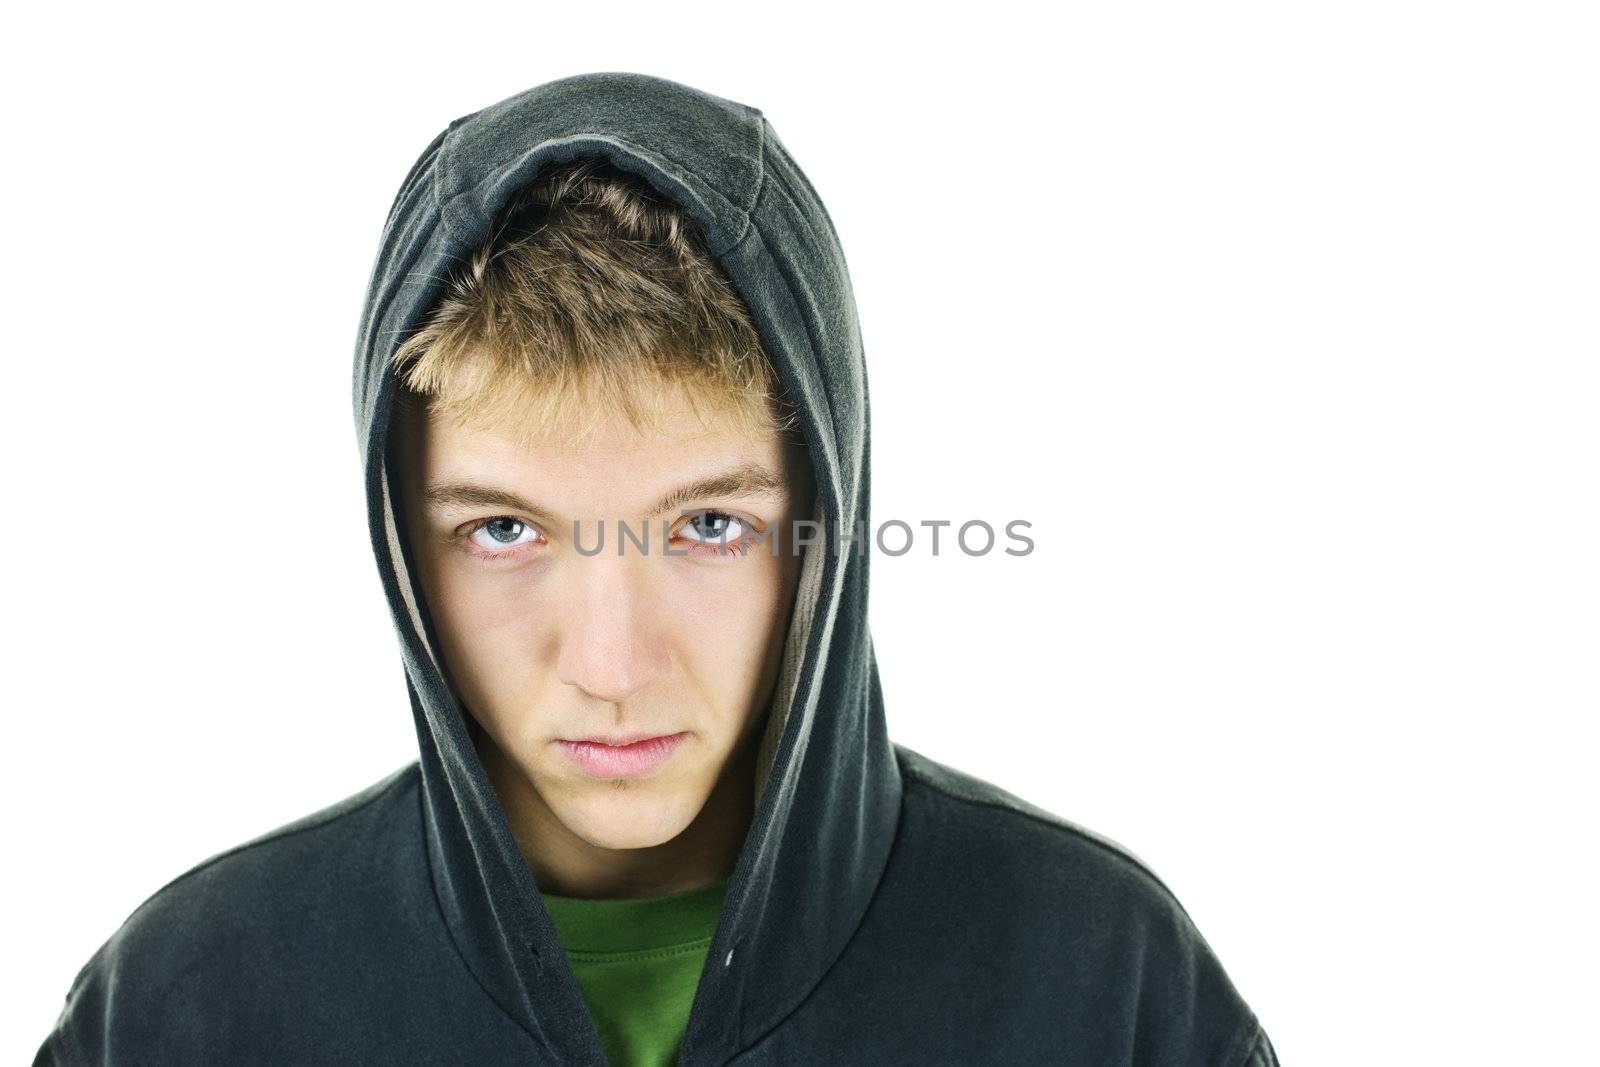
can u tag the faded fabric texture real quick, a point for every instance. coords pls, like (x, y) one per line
(885, 909)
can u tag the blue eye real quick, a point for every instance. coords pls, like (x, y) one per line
(502, 532)
(712, 527)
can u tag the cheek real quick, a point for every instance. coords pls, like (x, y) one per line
(492, 629)
(733, 639)
(502, 641)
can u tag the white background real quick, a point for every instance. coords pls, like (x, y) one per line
(1278, 322)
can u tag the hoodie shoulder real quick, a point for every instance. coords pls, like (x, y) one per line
(231, 926)
(1081, 919)
(950, 784)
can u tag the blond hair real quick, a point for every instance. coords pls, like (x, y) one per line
(593, 290)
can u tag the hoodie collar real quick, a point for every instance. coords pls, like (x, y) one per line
(828, 786)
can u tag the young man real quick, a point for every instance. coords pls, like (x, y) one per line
(612, 404)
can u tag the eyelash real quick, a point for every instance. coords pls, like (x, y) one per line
(712, 549)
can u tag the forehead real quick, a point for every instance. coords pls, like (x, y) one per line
(599, 450)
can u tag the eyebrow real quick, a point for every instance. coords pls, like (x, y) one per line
(746, 479)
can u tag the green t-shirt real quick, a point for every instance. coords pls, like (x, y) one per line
(638, 963)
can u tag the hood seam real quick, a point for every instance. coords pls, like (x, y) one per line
(653, 156)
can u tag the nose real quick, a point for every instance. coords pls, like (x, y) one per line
(612, 642)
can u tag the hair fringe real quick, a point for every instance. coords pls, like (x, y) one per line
(592, 292)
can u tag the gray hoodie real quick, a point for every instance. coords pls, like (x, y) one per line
(884, 909)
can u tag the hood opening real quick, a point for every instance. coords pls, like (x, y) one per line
(828, 785)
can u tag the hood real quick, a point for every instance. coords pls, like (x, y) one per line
(828, 785)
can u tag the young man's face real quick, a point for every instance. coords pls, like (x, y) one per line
(547, 645)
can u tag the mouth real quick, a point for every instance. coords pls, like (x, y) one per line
(622, 757)
(618, 741)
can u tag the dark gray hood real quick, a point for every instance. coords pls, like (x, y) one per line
(830, 798)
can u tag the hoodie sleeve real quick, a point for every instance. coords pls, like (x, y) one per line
(53, 1052)
(62, 1046)
(121, 1007)
(1260, 1052)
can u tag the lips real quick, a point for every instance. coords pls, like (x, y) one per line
(631, 758)
(614, 742)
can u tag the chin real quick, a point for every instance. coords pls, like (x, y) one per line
(609, 817)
